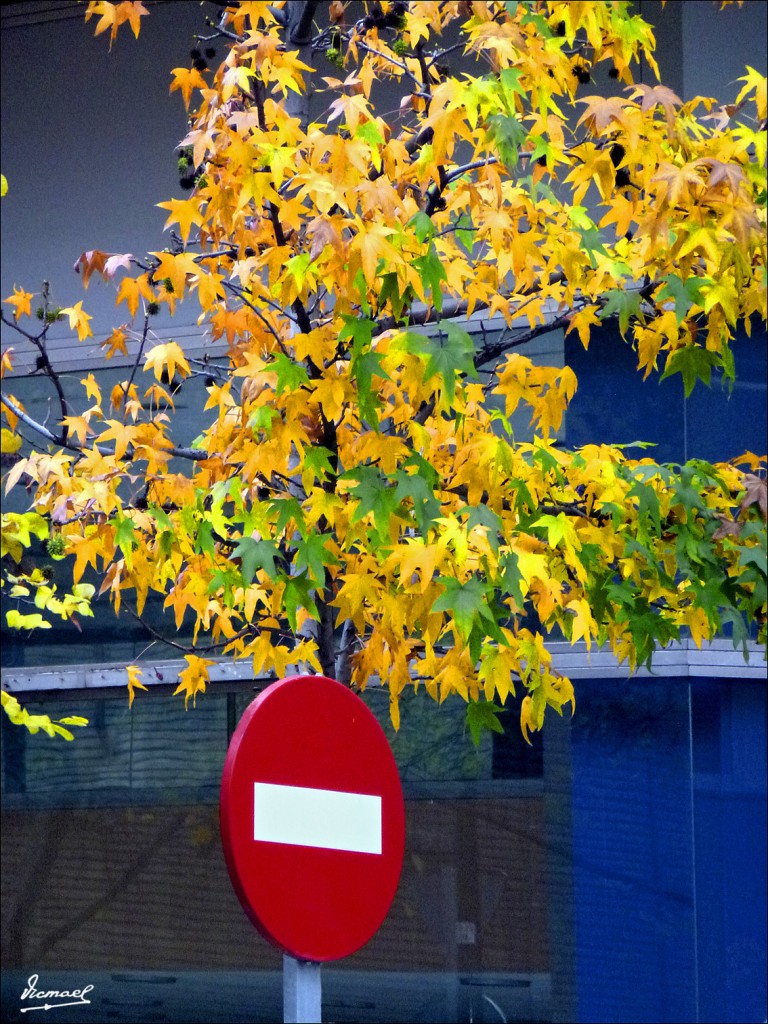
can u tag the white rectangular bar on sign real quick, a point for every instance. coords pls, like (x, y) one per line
(326, 818)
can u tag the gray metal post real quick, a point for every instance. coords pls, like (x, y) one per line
(302, 993)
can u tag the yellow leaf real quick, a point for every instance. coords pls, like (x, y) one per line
(167, 358)
(78, 321)
(133, 682)
(10, 442)
(496, 670)
(193, 678)
(131, 289)
(16, 620)
(185, 213)
(92, 388)
(174, 268)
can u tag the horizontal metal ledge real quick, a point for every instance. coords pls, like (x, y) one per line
(684, 659)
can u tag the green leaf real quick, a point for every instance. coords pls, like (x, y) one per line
(359, 329)
(509, 79)
(290, 374)
(289, 511)
(390, 292)
(422, 225)
(256, 554)
(161, 517)
(648, 505)
(592, 242)
(684, 294)
(481, 515)
(432, 273)
(370, 132)
(204, 539)
(483, 714)
(361, 291)
(317, 460)
(374, 494)
(298, 594)
(624, 304)
(363, 369)
(124, 534)
(449, 353)
(467, 601)
(263, 418)
(313, 554)
(426, 507)
(510, 576)
(693, 363)
(506, 134)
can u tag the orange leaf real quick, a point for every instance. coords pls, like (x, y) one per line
(20, 300)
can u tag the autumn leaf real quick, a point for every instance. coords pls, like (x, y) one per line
(132, 289)
(657, 95)
(193, 679)
(79, 320)
(21, 302)
(374, 477)
(133, 682)
(167, 361)
(88, 263)
(186, 80)
(185, 213)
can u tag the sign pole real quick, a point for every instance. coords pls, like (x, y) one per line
(302, 994)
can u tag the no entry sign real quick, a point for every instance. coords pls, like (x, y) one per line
(312, 818)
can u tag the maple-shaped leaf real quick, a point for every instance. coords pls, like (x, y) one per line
(755, 493)
(133, 682)
(679, 180)
(313, 554)
(468, 603)
(115, 343)
(298, 593)
(79, 320)
(692, 363)
(167, 360)
(174, 268)
(729, 172)
(656, 96)
(114, 15)
(622, 303)
(483, 715)
(450, 352)
(185, 213)
(193, 679)
(603, 113)
(374, 493)
(684, 294)
(21, 302)
(121, 260)
(187, 79)
(132, 289)
(93, 261)
(322, 232)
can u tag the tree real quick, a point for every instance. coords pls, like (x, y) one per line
(356, 500)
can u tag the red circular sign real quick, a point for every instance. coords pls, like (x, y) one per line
(312, 818)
